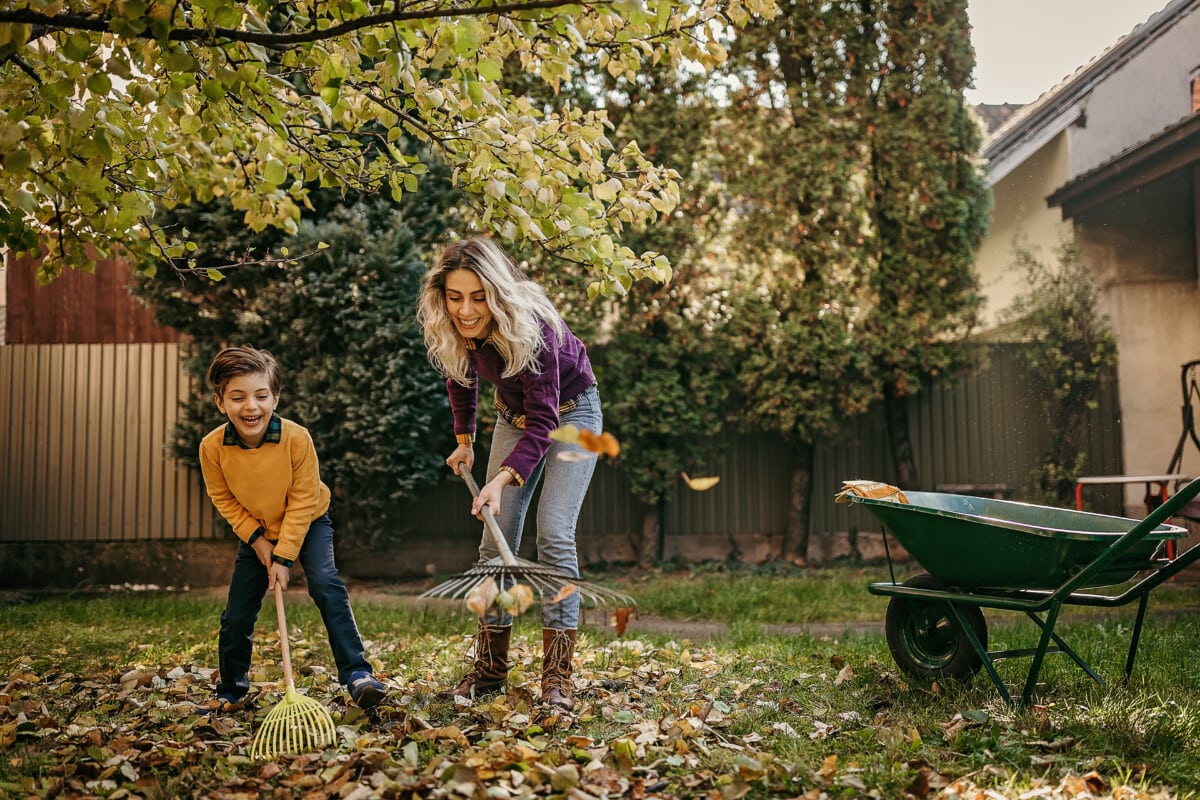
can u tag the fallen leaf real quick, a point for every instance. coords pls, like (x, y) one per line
(920, 784)
(951, 729)
(565, 777)
(1095, 783)
(873, 490)
(846, 674)
(566, 591)
(700, 484)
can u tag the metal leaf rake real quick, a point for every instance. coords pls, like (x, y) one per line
(507, 569)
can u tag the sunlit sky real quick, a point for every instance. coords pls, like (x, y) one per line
(1024, 47)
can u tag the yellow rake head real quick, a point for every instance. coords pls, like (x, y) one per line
(297, 724)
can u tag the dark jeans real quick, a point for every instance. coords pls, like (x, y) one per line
(247, 588)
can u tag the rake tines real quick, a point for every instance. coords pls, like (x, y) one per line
(506, 569)
(546, 583)
(297, 724)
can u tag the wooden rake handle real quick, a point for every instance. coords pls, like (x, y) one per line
(489, 519)
(283, 638)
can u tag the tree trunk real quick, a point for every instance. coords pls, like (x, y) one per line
(1064, 452)
(649, 545)
(795, 536)
(895, 407)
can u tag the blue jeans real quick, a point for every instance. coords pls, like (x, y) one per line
(565, 485)
(246, 589)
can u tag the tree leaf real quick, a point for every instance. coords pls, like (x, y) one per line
(700, 484)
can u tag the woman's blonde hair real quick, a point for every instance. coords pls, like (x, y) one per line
(518, 305)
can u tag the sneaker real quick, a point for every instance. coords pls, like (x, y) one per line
(365, 690)
(226, 701)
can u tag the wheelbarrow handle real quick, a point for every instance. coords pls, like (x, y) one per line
(490, 526)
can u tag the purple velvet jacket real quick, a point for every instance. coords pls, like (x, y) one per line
(528, 400)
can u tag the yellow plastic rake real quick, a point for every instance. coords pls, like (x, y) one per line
(297, 724)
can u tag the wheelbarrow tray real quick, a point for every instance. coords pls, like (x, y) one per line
(982, 543)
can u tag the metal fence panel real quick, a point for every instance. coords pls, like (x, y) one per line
(84, 432)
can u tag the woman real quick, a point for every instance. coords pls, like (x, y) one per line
(483, 318)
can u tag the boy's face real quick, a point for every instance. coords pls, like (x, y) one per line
(467, 305)
(248, 402)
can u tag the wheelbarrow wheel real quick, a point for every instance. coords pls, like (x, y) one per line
(925, 638)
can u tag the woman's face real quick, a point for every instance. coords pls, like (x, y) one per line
(466, 303)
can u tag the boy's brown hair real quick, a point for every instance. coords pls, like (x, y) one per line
(234, 361)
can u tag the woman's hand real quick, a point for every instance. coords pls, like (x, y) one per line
(465, 454)
(490, 494)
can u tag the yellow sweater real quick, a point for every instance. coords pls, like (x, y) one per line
(275, 486)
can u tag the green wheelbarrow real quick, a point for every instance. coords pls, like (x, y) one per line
(982, 553)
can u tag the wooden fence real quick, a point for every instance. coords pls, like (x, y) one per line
(84, 432)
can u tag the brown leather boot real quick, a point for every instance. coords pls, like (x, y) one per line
(558, 648)
(490, 668)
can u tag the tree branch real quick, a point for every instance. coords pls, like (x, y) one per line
(278, 40)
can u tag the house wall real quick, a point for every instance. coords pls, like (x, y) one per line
(1142, 247)
(1146, 94)
(1022, 218)
(1142, 250)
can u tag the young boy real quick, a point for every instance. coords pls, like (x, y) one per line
(262, 475)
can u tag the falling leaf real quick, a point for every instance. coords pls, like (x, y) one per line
(482, 596)
(522, 598)
(567, 433)
(566, 591)
(574, 455)
(620, 618)
(700, 484)
(604, 444)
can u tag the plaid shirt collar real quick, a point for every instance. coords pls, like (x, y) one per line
(475, 344)
(274, 431)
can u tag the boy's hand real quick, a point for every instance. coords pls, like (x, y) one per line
(263, 547)
(277, 573)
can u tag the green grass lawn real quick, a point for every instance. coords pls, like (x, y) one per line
(102, 697)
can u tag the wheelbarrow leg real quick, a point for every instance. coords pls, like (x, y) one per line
(1040, 654)
(1137, 635)
(982, 652)
(1063, 647)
